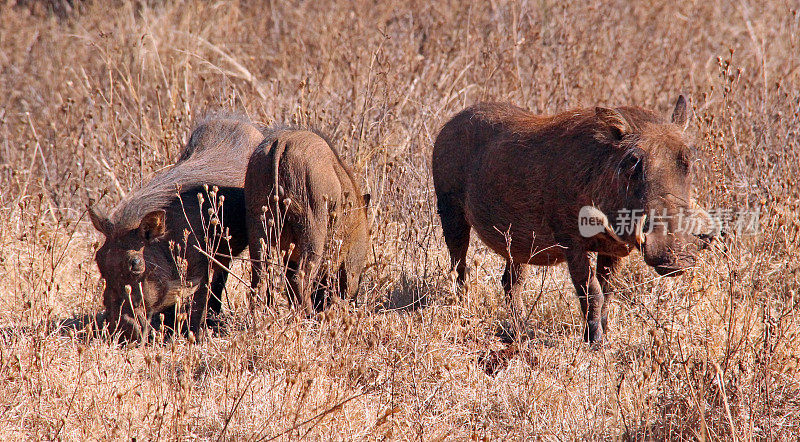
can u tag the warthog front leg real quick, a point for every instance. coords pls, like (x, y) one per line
(513, 279)
(589, 292)
(207, 304)
(347, 284)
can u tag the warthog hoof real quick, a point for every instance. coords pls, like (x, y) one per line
(594, 332)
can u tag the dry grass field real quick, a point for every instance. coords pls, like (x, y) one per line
(96, 97)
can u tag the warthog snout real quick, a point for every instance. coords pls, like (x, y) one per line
(672, 265)
(673, 248)
(133, 326)
(136, 265)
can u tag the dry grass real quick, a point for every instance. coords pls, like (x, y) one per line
(97, 98)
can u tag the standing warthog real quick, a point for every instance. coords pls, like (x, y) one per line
(301, 198)
(522, 181)
(153, 226)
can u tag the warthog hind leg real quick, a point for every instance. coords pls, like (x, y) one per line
(456, 233)
(607, 266)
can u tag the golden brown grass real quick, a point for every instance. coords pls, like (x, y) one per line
(97, 98)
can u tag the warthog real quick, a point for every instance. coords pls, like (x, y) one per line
(157, 242)
(522, 180)
(301, 198)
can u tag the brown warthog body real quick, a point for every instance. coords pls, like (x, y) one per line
(139, 266)
(521, 180)
(301, 198)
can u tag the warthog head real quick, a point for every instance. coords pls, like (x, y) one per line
(656, 212)
(138, 271)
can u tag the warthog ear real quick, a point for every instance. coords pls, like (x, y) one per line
(618, 125)
(99, 221)
(366, 197)
(153, 225)
(679, 114)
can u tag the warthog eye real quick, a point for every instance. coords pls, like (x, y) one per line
(632, 164)
(684, 163)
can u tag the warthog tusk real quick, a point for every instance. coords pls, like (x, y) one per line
(640, 236)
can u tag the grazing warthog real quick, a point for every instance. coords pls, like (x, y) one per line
(301, 198)
(524, 182)
(152, 227)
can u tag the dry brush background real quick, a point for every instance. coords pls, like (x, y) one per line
(96, 97)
